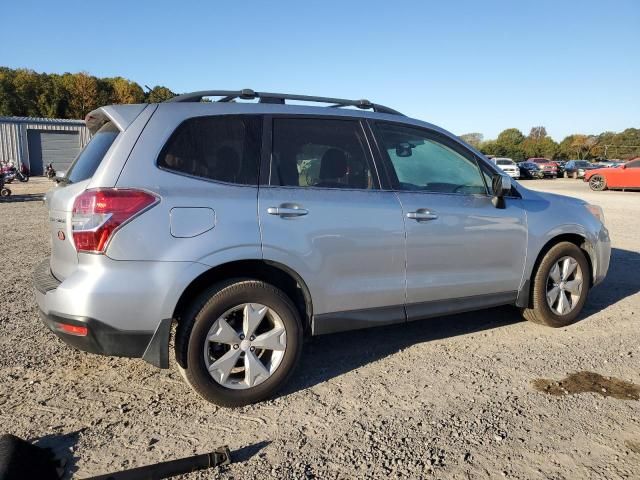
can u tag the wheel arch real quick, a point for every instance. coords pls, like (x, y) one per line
(524, 296)
(277, 274)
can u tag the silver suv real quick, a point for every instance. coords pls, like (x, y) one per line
(250, 223)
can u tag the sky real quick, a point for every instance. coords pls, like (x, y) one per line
(467, 66)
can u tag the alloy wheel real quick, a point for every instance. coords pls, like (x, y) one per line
(245, 346)
(564, 285)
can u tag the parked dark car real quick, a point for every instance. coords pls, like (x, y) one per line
(530, 170)
(560, 165)
(577, 168)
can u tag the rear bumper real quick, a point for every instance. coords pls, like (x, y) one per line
(100, 338)
(126, 306)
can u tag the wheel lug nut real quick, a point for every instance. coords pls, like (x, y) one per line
(235, 346)
(253, 349)
(252, 338)
(241, 337)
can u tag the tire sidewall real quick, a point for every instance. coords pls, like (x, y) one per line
(229, 297)
(564, 249)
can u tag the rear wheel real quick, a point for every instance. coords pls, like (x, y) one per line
(239, 342)
(5, 192)
(560, 286)
(598, 183)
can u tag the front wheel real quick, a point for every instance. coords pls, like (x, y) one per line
(560, 286)
(239, 342)
(23, 178)
(597, 183)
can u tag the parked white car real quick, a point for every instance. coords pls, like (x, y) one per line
(508, 166)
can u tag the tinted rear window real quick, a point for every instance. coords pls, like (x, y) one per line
(87, 162)
(223, 148)
(505, 162)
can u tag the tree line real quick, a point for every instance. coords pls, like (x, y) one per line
(25, 93)
(512, 143)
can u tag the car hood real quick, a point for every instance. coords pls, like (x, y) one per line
(561, 200)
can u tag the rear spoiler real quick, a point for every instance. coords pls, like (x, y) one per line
(121, 115)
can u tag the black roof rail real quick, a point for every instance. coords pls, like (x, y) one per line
(265, 97)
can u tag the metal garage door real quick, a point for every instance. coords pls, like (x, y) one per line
(56, 147)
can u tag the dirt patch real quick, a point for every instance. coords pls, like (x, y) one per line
(589, 382)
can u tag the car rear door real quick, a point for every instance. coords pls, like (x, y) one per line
(323, 215)
(462, 252)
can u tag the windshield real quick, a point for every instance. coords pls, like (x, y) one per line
(87, 162)
(582, 164)
(505, 162)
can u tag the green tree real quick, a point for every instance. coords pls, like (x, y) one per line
(539, 144)
(473, 139)
(125, 91)
(159, 94)
(83, 93)
(510, 143)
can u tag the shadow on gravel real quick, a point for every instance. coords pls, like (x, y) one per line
(62, 447)
(328, 356)
(245, 453)
(27, 197)
(621, 282)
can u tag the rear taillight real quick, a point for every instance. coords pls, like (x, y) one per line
(98, 213)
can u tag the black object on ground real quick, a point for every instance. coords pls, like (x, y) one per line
(20, 460)
(220, 456)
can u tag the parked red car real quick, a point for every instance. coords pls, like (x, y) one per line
(625, 177)
(549, 168)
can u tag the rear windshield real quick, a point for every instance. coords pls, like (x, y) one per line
(583, 164)
(87, 162)
(505, 162)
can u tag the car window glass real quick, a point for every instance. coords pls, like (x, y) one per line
(223, 148)
(89, 159)
(321, 153)
(422, 163)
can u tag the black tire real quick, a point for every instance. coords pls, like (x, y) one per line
(540, 312)
(205, 310)
(598, 183)
(5, 192)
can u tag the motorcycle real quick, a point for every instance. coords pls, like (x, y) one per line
(50, 172)
(10, 173)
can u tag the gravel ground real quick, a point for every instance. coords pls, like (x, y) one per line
(452, 397)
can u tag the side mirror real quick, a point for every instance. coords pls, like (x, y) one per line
(501, 185)
(404, 150)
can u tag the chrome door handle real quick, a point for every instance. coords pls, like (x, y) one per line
(287, 212)
(422, 215)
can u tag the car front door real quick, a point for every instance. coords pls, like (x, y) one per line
(323, 215)
(462, 252)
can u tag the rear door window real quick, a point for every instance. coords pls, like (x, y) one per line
(88, 161)
(320, 153)
(225, 148)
